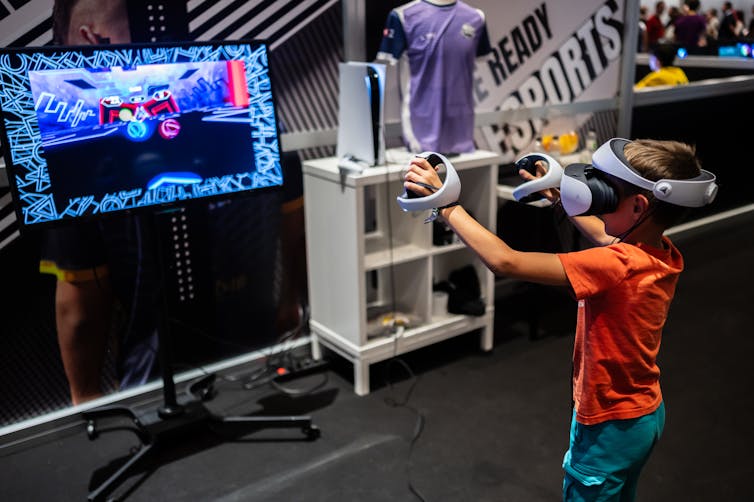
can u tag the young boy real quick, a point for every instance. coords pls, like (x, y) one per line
(624, 287)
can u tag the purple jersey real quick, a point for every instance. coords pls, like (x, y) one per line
(442, 43)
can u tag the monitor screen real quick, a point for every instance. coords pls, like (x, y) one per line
(90, 131)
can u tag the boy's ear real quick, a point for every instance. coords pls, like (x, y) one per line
(641, 204)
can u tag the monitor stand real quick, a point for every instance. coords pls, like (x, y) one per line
(155, 428)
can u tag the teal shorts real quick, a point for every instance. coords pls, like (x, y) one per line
(604, 460)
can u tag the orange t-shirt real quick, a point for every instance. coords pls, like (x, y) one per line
(624, 293)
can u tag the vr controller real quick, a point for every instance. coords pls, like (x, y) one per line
(530, 190)
(447, 194)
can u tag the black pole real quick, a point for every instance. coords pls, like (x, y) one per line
(170, 406)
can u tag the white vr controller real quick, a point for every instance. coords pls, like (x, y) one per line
(530, 190)
(445, 195)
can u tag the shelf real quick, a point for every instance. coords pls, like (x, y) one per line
(399, 254)
(327, 168)
(406, 253)
(448, 248)
(413, 337)
(381, 348)
(364, 252)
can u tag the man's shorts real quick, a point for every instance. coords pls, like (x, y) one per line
(74, 253)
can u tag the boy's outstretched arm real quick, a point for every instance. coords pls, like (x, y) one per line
(544, 268)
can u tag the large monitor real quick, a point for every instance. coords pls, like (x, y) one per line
(93, 130)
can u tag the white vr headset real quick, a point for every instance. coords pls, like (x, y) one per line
(585, 190)
(445, 195)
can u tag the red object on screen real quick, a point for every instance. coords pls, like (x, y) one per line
(239, 93)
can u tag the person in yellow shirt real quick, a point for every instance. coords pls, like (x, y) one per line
(661, 59)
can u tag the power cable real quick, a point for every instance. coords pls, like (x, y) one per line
(398, 333)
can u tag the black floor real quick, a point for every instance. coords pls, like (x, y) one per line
(492, 427)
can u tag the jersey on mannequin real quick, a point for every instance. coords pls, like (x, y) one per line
(441, 40)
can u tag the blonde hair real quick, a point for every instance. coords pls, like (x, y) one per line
(656, 160)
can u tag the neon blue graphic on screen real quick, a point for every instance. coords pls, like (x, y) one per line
(179, 178)
(107, 130)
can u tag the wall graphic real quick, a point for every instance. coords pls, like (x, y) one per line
(546, 52)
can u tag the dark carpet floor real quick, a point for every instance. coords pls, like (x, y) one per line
(491, 427)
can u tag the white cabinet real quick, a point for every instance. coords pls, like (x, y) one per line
(366, 256)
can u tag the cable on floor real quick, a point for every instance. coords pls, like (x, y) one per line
(398, 333)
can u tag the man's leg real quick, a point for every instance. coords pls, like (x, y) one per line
(82, 315)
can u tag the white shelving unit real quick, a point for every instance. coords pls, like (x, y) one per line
(366, 255)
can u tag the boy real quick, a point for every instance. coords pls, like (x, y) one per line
(624, 288)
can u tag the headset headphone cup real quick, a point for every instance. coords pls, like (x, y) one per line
(586, 191)
(604, 196)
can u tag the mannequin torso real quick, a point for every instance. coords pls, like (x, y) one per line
(441, 40)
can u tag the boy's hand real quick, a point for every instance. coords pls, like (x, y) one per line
(551, 194)
(420, 171)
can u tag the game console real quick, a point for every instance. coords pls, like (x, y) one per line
(361, 141)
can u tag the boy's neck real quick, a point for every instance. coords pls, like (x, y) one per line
(647, 233)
